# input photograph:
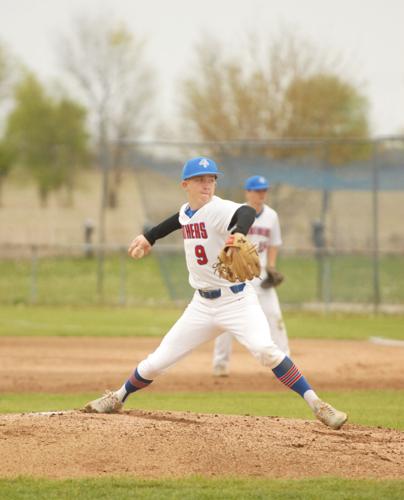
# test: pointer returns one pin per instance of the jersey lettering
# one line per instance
(194, 231)
(204, 233)
(260, 231)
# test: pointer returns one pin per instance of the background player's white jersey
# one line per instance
(204, 236)
(264, 233)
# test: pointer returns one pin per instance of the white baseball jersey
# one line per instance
(264, 233)
(204, 235)
(238, 313)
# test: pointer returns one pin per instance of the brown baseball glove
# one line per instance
(238, 261)
(274, 278)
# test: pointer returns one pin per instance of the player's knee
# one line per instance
(276, 324)
(268, 356)
(148, 370)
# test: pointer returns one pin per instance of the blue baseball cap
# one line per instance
(256, 183)
(199, 166)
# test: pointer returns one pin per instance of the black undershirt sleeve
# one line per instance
(163, 229)
(242, 220)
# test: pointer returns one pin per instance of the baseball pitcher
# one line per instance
(221, 262)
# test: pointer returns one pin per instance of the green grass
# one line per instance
(350, 279)
(73, 280)
(155, 321)
(86, 321)
(365, 407)
(344, 326)
(199, 488)
(163, 277)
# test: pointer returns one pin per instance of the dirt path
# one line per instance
(174, 444)
(35, 364)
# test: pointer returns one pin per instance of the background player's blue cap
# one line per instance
(256, 183)
(199, 166)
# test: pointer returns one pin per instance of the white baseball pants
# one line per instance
(239, 314)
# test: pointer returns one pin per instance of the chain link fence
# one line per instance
(340, 206)
(81, 275)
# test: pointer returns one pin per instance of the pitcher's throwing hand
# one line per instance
(139, 247)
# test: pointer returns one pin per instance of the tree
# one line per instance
(220, 98)
(325, 106)
(106, 62)
(8, 72)
(48, 136)
(6, 162)
(241, 96)
(264, 93)
(72, 138)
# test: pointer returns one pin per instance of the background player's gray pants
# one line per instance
(270, 305)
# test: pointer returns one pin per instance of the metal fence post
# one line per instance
(34, 275)
(166, 275)
(100, 273)
(324, 274)
(375, 224)
(122, 275)
(327, 285)
(103, 158)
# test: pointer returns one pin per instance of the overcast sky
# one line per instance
(369, 34)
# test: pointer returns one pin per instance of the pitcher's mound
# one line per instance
(166, 444)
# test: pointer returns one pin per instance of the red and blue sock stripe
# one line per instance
(135, 382)
(289, 374)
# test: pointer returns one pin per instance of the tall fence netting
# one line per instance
(340, 205)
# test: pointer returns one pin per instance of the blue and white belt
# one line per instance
(215, 294)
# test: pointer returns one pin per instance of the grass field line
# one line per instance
(388, 342)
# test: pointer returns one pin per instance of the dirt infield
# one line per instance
(174, 444)
(58, 365)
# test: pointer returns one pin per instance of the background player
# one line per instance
(265, 233)
(217, 305)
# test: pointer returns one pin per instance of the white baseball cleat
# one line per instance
(108, 403)
(328, 415)
(220, 370)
